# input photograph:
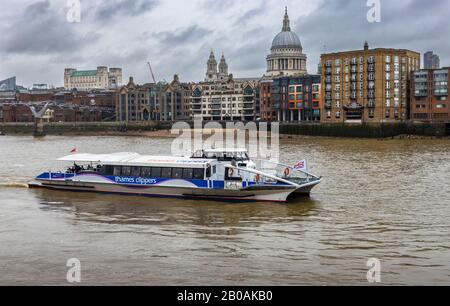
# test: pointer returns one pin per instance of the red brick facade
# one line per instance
(66, 106)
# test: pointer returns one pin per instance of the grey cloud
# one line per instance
(40, 29)
(341, 25)
(112, 8)
(39, 34)
(191, 34)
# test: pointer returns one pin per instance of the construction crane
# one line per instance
(151, 72)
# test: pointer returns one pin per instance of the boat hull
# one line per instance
(252, 194)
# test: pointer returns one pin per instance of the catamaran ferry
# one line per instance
(222, 175)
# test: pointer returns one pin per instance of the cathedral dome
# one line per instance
(286, 56)
(286, 39)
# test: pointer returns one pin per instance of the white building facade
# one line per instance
(221, 97)
(101, 78)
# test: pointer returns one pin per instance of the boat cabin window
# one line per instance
(107, 170)
(146, 172)
(177, 173)
(156, 172)
(166, 172)
(117, 171)
(222, 156)
(198, 174)
(126, 171)
(136, 171)
(188, 173)
(208, 171)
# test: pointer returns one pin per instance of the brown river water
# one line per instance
(387, 199)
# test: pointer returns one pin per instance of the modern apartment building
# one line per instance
(430, 95)
(369, 85)
(431, 60)
(291, 99)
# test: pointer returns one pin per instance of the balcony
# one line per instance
(440, 92)
(421, 93)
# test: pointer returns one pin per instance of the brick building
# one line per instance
(67, 106)
(369, 85)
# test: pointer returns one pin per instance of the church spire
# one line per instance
(286, 22)
(211, 71)
(223, 67)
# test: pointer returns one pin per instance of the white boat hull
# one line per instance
(273, 194)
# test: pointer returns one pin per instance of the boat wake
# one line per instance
(13, 185)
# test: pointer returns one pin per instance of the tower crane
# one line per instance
(151, 72)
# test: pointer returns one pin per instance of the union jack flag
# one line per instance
(301, 165)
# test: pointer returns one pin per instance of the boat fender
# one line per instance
(287, 171)
(257, 178)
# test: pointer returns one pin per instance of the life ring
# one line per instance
(230, 172)
(257, 178)
(287, 171)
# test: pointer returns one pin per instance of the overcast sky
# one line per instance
(37, 42)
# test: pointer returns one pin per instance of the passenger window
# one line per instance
(107, 170)
(198, 174)
(126, 171)
(208, 171)
(136, 171)
(166, 172)
(117, 171)
(188, 173)
(177, 173)
(146, 172)
(156, 172)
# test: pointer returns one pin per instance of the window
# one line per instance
(156, 172)
(107, 170)
(177, 173)
(188, 173)
(136, 171)
(126, 171)
(166, 172)
(146, 172)
(197, 174)
(117, 171)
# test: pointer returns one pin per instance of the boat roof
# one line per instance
(135, 159)
(225, 151)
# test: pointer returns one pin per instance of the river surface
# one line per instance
(386, 199)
